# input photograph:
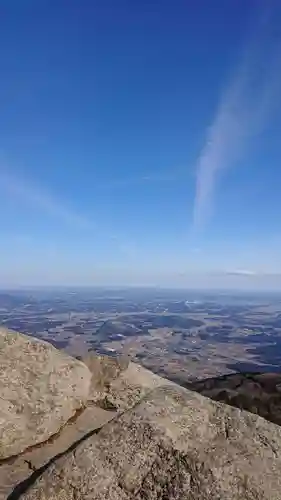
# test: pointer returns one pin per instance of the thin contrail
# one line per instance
(38, 198)
(244, 111)
(33, 195)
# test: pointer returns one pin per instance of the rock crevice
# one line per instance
(154, 441)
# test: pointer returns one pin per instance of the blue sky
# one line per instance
(140, 143)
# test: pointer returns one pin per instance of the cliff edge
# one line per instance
(136, 436)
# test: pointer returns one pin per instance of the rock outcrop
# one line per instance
(128, 388)
(17, 470)
(175, 445)
(159, 441)
(41, 388)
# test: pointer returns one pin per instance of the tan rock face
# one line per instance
(174, 444)
(118, 384)
(40, 389)
(165, 443)
(18, 469)
(104, 370)
(132, 385)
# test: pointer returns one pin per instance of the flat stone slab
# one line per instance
(175, 444)
(17, 470)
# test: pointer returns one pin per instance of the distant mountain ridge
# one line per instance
(258, 393)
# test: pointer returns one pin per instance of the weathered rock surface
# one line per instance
(115, 384)
(18, 469)
(104, 369)
(258, 393)
(163, 441)
(41, 388)
(175, 444)
(127, 389)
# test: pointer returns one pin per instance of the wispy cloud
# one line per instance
(243, 113)
(27, 192)
(242, 272)
(36, 197)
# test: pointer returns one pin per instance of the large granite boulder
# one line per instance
(41, 388)
(175, 444)
(17, 470)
